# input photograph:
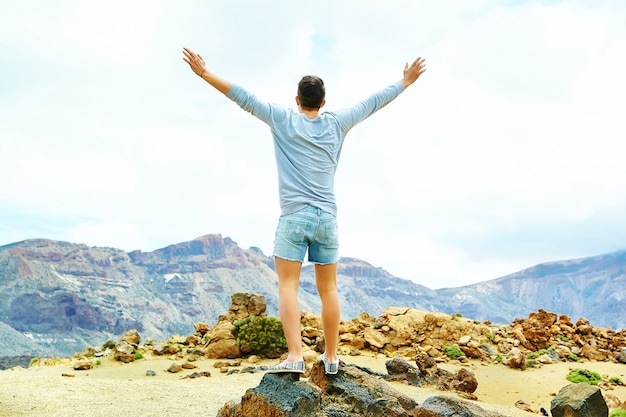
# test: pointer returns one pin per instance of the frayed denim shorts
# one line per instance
(310, 229)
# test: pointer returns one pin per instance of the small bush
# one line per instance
(618, 412)
(498, 359)
(535, 355)
(137, 355)
(453, 351)
(531, 363)
(616, 380)
(109, 344)
(491, 336)
(584, 375)
(260, 336)
(377, 325)
(562, 338)
(573, 357)
(98, 362)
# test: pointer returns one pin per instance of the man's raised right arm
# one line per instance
(196, 63)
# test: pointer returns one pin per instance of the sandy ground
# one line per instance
(114, 389)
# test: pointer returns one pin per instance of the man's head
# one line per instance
(311, 92)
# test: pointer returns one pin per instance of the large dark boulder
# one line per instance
(353, 392)
(579, 400)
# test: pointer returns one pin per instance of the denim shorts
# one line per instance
(308, 228)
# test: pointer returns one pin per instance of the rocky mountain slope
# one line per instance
(593, 287)
(62, 297)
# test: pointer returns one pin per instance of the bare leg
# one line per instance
(288, 279)
(326, 280)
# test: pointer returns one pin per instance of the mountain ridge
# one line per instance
(64, 296)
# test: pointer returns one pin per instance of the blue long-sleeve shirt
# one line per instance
(308, 150)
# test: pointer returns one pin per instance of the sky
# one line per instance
(506, 153)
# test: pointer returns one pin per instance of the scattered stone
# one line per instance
(68, 375)
(579, 400)
(160, 348)
(524, 406)
(150, 372)
(177, 340)
(222, 364)
(83, 365)
(201, 328)
(424, 362)
(253, 359)
(400, 370)
(131, 337)
(612, 401)
(515, 359)
(189, 365)
(223, 343)
(621, 357)
(197, 375)
(123, 352)
(172, 349)
(464, 340)
(174, 368)
(464, 381)
(244, 305)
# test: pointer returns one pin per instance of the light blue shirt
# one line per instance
(308, 150)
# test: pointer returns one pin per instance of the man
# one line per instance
(307, 145)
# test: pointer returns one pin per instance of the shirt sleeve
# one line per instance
(349, 117)
(251, 103)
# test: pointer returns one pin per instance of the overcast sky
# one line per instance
(508, 152)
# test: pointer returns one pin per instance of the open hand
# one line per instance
(413, 72)
(195, 61)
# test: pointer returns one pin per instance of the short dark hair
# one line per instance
(311, 91)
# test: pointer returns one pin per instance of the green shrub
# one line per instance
(531, 363)
(498, 359)
(260, 336)
(573, 357)
(616, 380)
(584, 375)
(98, 362)
(618, 412)
(453, 351)
(377, 325)
(490, 336)
(109, 344)
(138, 355)
(540, 352)
(562, 338)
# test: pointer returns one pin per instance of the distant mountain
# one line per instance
(593, 287)
(62, 297)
